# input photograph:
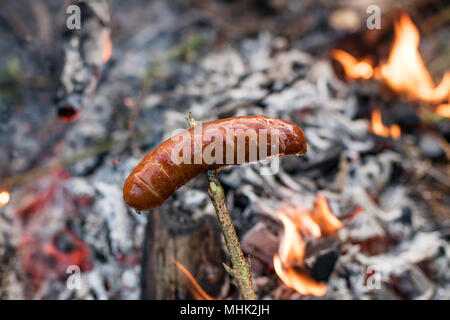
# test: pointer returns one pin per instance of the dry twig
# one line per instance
(241, 271)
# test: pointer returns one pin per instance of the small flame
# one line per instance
(292, 247)
(298, 224)
(405, 70)
(443, 110)
(4, 198)
(326, 220)
(195, 289)
(107, 50)
(353, 68)
(395, 131)
(297, 281)
(380, 129)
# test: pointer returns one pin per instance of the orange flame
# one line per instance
(292, 247)
(296, 223)
(405, 70)
(195, 289)
(4, 198)
(443, 110)
(395, 131)
(353, 68)
(326, 220)
(380, 129)
(297, 281)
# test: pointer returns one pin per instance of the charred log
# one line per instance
(86, 50)
(195, 243)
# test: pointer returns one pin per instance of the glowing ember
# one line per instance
(68, 113)
(67, 249)
(44, 260)
(107, 50)
(4, 198)
(353, 68)
(380, 129)
(443, 110)
(311, 224)
(405, 70)
(195, 289)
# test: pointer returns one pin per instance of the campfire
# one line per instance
(363, 214)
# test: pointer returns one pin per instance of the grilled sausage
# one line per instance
(211, 145)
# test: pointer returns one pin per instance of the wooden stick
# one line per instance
(241, 270)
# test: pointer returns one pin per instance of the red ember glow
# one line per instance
(50, 260)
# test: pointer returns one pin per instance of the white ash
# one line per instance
(110, 205)
(194, 198)
(80, 187)
(422, 246)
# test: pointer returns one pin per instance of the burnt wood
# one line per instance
(195, 243)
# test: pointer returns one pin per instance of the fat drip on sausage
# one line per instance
(211, 145)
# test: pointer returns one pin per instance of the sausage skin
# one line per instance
(184, 156)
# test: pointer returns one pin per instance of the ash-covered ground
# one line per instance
(215, 59)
